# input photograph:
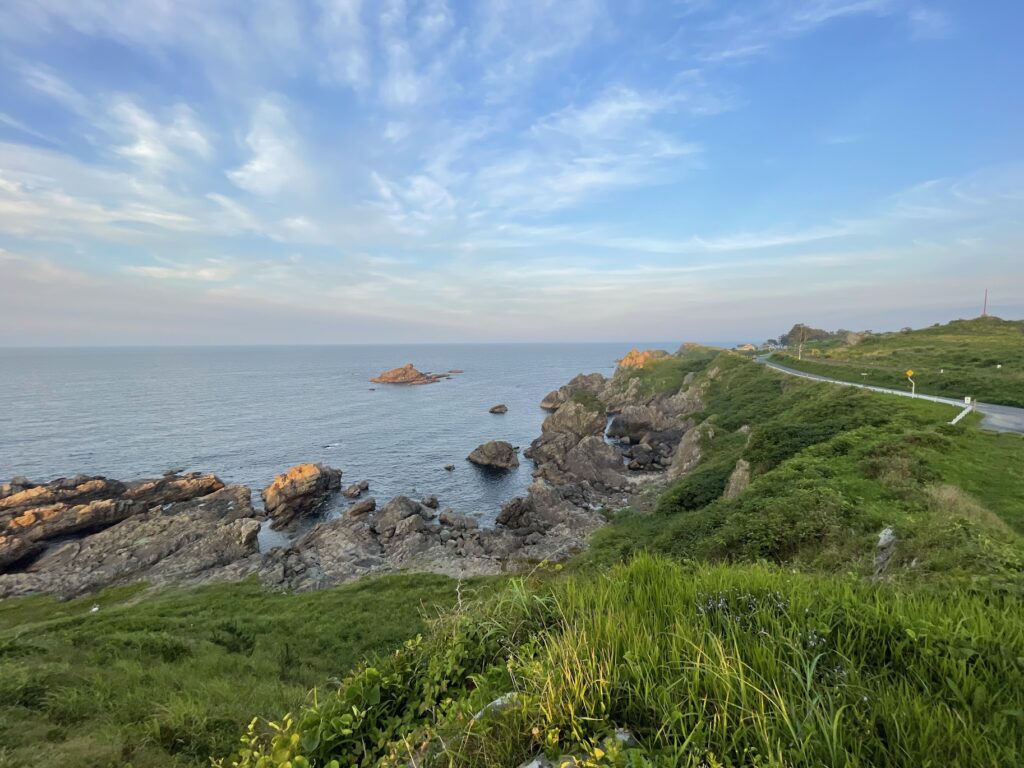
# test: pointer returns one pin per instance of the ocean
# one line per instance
(249, 413)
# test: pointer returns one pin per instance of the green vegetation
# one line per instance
(956, 360)
(831, 467)
(704, 665)
(666, 375)
(168, 680)
(588, 400)
(750, 628)
(782, 653)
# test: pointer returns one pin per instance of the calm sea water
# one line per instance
(248, 413)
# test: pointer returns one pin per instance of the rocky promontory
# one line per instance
(80, 534)
(408, 375)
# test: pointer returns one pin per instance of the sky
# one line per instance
(337, 171)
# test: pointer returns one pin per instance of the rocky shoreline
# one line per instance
(75, 535)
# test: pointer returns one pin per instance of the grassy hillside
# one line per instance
(741, 629)
(704, 665)
(170, 679)
(830, 468)
(956, 360)
(735, 631)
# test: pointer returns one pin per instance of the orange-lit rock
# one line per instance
(407, 374)
(637, 359)
(299, 491)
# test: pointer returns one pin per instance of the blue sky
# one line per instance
(337, 171)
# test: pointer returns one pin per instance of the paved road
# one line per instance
(1000, 418)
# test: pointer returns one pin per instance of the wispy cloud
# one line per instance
(928, 23)
(153, 146)
(523, 160)
(274, 162)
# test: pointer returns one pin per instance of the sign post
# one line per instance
(913, 386)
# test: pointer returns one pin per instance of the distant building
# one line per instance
(746, 348)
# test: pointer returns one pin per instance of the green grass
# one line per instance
(168, 680)
(588, 400)
(956, 360)
(831, 467)
(704, 665)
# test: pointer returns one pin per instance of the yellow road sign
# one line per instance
(909, 374)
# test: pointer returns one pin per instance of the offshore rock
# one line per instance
(499, 409)
(408, 375)
(495, 454)
(300, 491)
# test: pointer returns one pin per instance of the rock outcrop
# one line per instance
(637, 359)
(408, 375)
(738, 480)
(495, 454)
(178, 529)
(689, 451)
(498, 409)
(589, 382)
(300, 491)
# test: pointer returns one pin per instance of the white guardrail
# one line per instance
(967, 404)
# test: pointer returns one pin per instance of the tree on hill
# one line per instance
(801, 333)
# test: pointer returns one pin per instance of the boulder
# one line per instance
(396, 510)
(635, 421)
(408, 375)
(353, 491)
(362, 507)
(430, 501)
(500, 408)
(884, 551)
(301, 491)
(495, 454)
(455, 520)
(449, 467)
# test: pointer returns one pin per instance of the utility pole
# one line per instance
(984, 307)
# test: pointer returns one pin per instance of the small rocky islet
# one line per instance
(408, 375)
(80, 534)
